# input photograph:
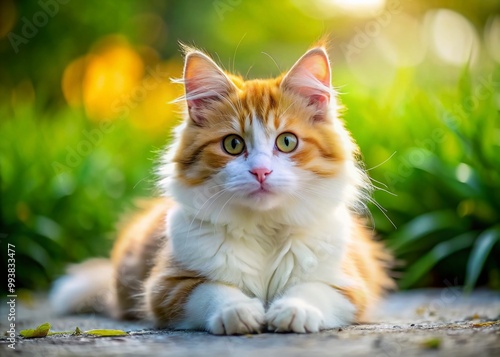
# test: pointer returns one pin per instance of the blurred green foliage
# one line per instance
(429, 131)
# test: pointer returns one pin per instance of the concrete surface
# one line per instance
(440, 322)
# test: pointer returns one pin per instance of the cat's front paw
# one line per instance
(294, 315)
(238, 318)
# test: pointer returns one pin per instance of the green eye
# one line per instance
(233, 144)
(286, 142)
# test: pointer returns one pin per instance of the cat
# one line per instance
(258, 229)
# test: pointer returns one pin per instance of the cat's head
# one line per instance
(273, 145)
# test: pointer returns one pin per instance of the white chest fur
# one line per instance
(261, 257)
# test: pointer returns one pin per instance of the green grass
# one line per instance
(445, 174)
(61, 204)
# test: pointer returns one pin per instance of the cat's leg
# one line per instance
(223, 310)
(184, 302)
(310, 307)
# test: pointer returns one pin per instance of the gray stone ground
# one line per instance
(406, 324)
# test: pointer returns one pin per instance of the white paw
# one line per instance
(294, 315)
(238, 318)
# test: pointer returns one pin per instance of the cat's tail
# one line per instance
(87, 287)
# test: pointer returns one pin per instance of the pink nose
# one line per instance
(260, 174)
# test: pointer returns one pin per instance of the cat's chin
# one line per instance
(262, 200)
(262, 192)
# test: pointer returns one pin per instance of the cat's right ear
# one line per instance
(204, 83)
(310, 79)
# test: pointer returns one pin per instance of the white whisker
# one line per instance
(384, 190)
(377, 181)
(383, 162)
(200, 209)
(383, 210)
(272, 59)
(222, 208)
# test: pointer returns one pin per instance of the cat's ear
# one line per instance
(310, 78)
(204, 83)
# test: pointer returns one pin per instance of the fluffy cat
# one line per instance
(258, 227)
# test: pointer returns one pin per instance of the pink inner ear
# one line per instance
(199, 92)
(199, 103)
(318, 66)
(308, 86)
(204, 83)
(320, 101)
(310, 78)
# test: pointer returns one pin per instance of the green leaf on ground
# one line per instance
(105, 333)
(40, 331)
(44, 330)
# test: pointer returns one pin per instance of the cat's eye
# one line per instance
(233, 144)
(286, 142)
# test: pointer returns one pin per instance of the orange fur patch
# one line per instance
(134, 253)
(366, 264)
(167, 290)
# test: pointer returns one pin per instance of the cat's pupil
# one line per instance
(234, 143)
(286, 141)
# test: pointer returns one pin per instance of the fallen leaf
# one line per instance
(44, 330)
(106, 333)
(40, 331)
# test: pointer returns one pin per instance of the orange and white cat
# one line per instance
(258, 227)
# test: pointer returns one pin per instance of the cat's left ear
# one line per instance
(310, 78)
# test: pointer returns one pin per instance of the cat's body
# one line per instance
(260, 229)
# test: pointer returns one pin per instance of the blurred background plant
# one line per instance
(84, 110)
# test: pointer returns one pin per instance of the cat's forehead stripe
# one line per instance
(261, 101)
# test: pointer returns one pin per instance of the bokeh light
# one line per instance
(113, 69)
(403, 42)
(452, 37)
(325, 9)
(99, 79)
(358, 7)
(117, 80)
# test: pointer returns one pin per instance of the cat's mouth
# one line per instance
(262, 191)
(264, 198)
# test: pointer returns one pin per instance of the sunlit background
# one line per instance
(85, 107)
